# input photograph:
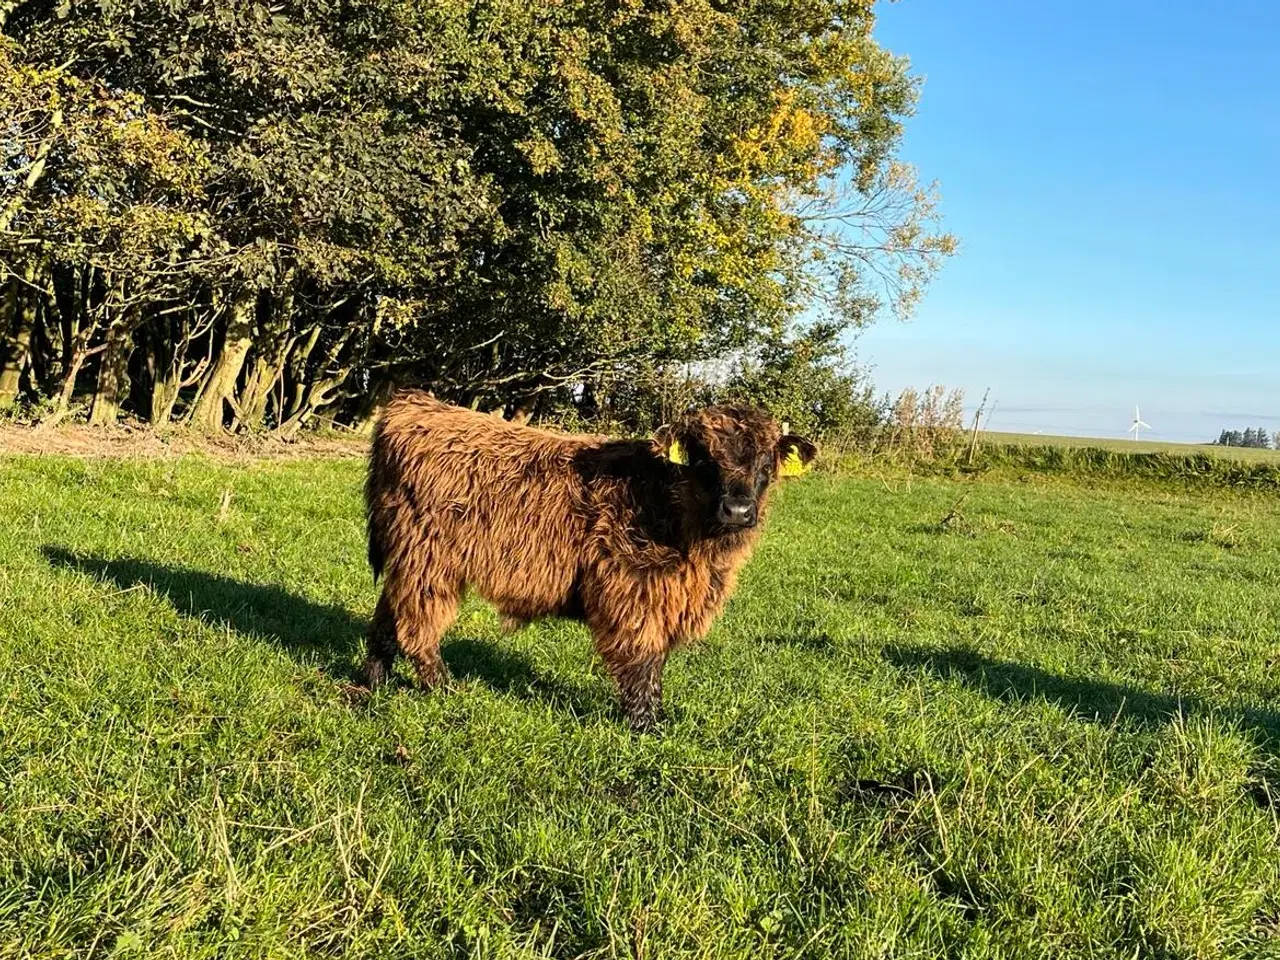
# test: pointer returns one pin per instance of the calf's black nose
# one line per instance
(738, 513)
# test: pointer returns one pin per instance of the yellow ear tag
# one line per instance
(792, 465)
(675, 453)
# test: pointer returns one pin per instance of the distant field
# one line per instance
(1130, 446)
(943, 718)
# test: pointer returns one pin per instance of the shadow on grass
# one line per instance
(511, 673)
(1097, 700)
(329, 634)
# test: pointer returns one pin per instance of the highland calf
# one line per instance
(641, 539)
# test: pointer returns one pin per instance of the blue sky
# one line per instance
(1113, 173)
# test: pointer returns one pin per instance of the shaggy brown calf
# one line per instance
(642, 540)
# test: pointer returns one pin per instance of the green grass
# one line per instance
(1191, 471)
(1130, 446)
(1045, 727)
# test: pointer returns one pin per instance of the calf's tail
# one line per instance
(377, 550)
(377, 557)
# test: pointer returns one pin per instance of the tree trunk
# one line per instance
(380, 391)
(164, 369)
(113, 374)
(68, 388)
(263, 372)
(271, 348)
(46, 347)
(220, 388)
(320, 395)
(78, 330)
(324, 389)
(75, 321)
(297, 367)
(18, 318)
(164, 396)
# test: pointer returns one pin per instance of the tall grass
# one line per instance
(924, 426)
(1189, 469)
(1193, 468)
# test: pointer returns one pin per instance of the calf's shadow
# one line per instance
(1086, 698)
(326, 635)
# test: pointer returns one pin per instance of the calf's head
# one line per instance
(728, 456)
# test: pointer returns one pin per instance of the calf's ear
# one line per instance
(668, 445)
(796, 455)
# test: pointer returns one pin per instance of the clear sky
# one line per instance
(1113, 173)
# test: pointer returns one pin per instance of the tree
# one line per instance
(808, 380)
(100, 221)
(297, 205)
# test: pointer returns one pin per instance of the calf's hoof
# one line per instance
(433, 675)
(646, 724)
(376, 673)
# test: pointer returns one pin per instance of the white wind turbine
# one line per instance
(1138, 424)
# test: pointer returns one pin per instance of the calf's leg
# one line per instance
(634, 658)
(381, 644)
(640, 690)
(422, 630)
(412, 616)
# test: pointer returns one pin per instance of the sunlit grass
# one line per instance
(1044, 727)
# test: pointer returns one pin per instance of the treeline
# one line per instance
(256, 216)
(1258, 438)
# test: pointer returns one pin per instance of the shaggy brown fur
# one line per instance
(611, 532)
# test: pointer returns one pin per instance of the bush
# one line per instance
(808, 381)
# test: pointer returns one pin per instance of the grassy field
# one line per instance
(942, 718)
(1131, 446)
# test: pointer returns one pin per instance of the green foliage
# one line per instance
(1046, 728)
(299, 203)
(87, 171)
(808, 380)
